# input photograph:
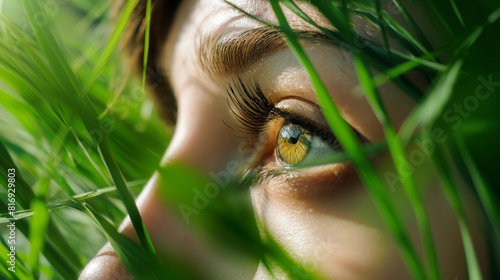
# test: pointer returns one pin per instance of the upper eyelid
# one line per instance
(326, 132)
(307, 123)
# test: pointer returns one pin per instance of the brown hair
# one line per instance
(162, 15)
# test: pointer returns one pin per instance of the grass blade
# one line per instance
(53, 51)
(486, 194)
(402, 164)
(38, 230)
(349, 140)
(444, 174)
(113, 41)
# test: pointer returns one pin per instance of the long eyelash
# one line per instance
(253, 110)
(258, 174)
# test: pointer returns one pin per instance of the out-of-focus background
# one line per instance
(43, 137)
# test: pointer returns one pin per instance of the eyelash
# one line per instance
(254, 113)
(253, 110)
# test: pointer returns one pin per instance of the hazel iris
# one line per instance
(292, 144)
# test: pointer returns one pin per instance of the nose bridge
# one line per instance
(201, 139)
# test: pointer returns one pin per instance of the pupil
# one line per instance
(294, 139)
(291, 134)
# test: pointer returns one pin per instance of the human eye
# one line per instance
(296, 143)
(284, 135)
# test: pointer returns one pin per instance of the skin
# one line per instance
(323, 216)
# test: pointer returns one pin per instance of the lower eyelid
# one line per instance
(270, 171)
(314, 182)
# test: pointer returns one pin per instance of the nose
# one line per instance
(201, 140)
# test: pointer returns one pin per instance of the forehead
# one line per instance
(197, 20)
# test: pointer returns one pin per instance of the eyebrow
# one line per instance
(231, 54)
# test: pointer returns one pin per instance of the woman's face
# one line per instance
(323, 216)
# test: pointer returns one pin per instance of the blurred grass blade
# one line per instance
(53, 52)
(21, 272)
(444, 172)
(486, 194)
(31, 96)
(457, 12)
(348, 138)
(433, 105)
(376, 55)
(414, 26)
(25, 213)
(405, 67)
(146, 43)
(402, 165)
(112, 43)
(67, 265)
(38, 230)
(382, 26)
(138, 261)
(436, 100)
(228, 219)
(369, 151)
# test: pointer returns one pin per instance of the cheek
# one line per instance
(332, 227)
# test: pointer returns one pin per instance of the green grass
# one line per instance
(352, 144)
(83, 141)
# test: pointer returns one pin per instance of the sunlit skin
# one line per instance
(323, 216)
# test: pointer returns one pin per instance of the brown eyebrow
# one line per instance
(231, 54)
